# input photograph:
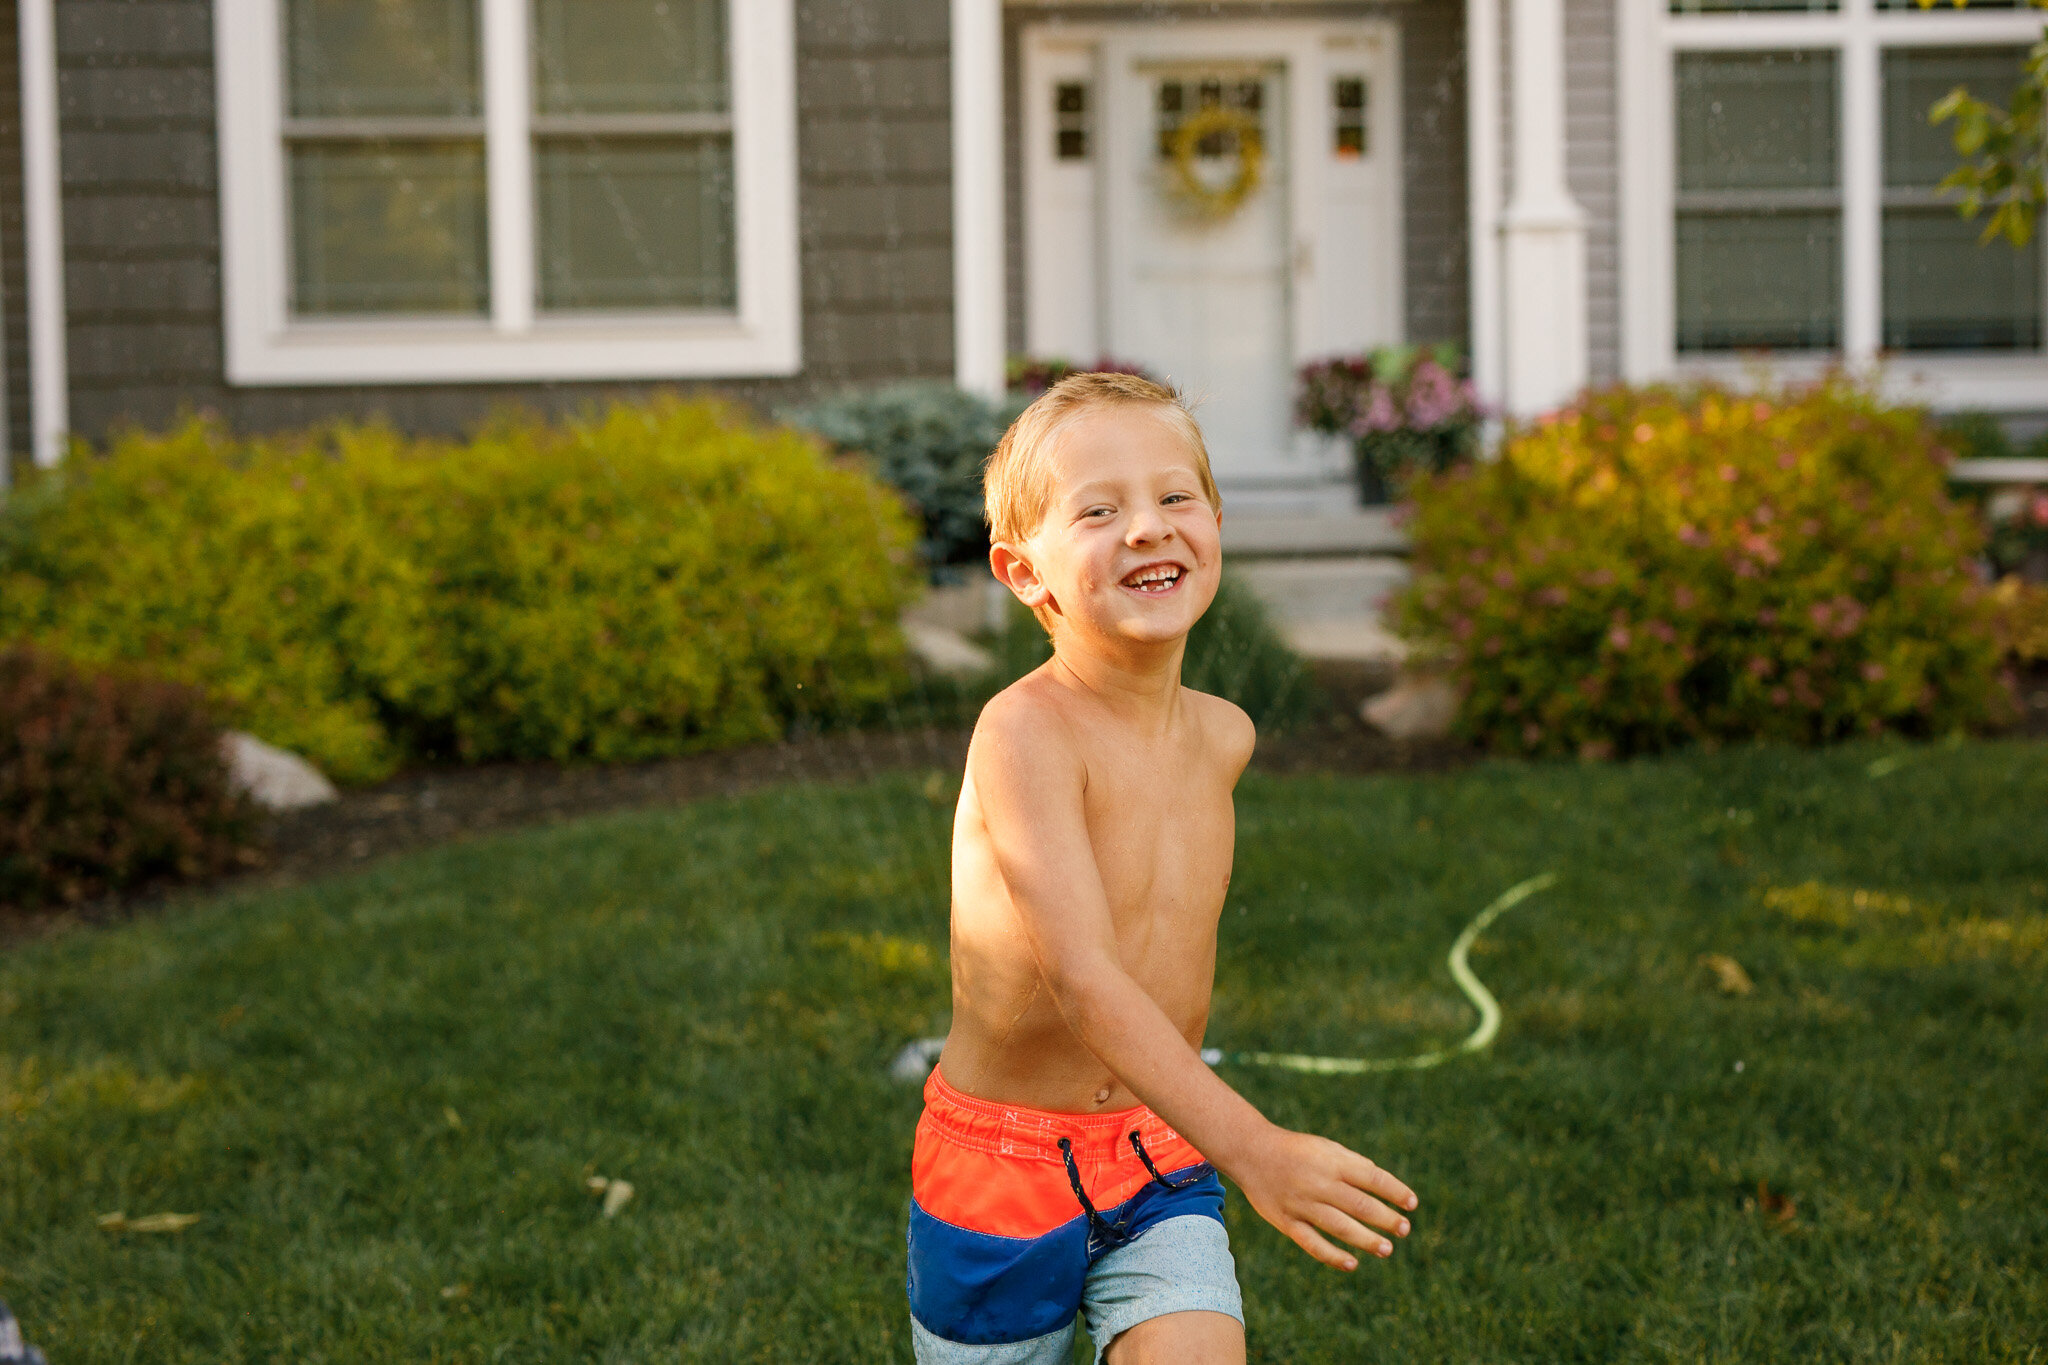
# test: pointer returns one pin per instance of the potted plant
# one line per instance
(1405, 410)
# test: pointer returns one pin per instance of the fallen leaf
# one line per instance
(448, 1113)
(455, 1291)
(153, 1222)
(1782, 1207)
(615, 1192)
(1728, 974)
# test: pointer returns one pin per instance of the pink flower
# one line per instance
(1503, 578)
(1380, 413)
(2040, 509)
(1683, 598)
(1762, 411)
(1873, 671)
(1645, 433)
(1779, 696)
(1661, 630)
(1556, 595)
(1618, 637)
(1433, 397)
(1532, 735)
(1727, 473)
(1759, 666)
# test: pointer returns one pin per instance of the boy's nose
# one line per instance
(1148, 526)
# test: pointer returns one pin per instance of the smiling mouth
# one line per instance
(1154, 579)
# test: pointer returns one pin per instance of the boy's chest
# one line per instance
(1162, 836)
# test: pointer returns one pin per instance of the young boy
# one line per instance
(1068, 1152)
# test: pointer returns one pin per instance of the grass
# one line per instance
(384, 1093)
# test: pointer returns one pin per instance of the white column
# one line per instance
(1482, 190)
(979, 330)
(43, 235)
(508, 152)
(1543, 231)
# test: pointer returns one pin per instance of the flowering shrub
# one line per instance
(2021, 612)
(2019, 534)
(647, 581)
(1032, 375)
(1405, 412)
(105, 783)
(1663, 565)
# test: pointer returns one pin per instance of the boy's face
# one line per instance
(1130, 547)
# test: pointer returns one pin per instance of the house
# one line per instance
(283, 210)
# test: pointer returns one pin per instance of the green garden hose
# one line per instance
(915, 1061)
(1461, 972)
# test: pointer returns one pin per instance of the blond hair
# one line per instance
(1017, 483)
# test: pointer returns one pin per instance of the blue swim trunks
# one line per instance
(1021, 1218)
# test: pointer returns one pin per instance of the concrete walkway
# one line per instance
(1325, 577)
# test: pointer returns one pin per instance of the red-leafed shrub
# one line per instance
(1660, 565)
(106, 783)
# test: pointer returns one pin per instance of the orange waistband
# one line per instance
(1019, 1131)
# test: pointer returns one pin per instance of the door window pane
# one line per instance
(636, 223)
(352, 58)
(1942, 289)
(388, 228)
(630, 56)
(1759, 226)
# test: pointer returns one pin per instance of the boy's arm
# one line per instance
(1029, 780)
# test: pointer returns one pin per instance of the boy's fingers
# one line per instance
(1371, 1211)
(1307, 1239)
(1344, 1227)
(1373, 1180)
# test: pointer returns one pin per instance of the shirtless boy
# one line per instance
(1068, 1154)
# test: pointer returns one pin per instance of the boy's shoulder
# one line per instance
(1225, 726)
(1027, 717)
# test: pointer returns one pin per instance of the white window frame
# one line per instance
(266, 346)
(1859, 33)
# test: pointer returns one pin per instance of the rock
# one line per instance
(274, 778)
(1416, 707)
(946, 651)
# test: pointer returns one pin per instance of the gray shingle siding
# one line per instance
(142, 222)
(1592, 168)
(1434, 219)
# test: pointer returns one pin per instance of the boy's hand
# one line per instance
(1306, 1185)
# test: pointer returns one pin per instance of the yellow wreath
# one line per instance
(1219, 203)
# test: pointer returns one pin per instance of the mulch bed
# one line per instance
(438, 805)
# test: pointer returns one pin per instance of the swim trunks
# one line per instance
(1020, 1218)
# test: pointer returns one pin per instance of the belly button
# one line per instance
(1102, 1095)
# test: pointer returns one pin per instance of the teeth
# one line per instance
(1164, 574)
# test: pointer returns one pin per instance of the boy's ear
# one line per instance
(1016, 573)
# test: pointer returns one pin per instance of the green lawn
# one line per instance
(384, 1092)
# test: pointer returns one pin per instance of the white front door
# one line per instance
(1223, 293)
(1202, 294)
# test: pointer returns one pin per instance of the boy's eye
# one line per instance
(1171, 498)
(1098, 512)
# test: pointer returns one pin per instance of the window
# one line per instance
(1178, 99)
(1759, 206)
(1070, 120)
(1347, 118)
(1942, 289)
(1779, 179)
(437, 190)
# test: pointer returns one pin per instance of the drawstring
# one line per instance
(1146, 1157)
(1100, 1228)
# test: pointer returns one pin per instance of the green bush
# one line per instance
(106, 783)
(1233, 652)
(642, 582)
(929, 442)
(1661, 565)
